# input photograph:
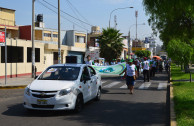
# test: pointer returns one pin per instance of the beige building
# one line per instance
(73, 43)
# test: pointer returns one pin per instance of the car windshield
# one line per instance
(60, 73)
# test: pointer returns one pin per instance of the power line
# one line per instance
(67, 13)
(61, 15)
(77, 11)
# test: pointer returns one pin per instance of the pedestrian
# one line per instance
(89, 61)
(130, 72)
(137, 66)
(154, 66)
(146, 67)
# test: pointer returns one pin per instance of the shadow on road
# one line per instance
(104, 112)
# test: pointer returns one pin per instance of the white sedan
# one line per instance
(63, 87)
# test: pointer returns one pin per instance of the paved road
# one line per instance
(148, 106)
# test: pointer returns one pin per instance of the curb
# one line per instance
(172, 112)
(13, 87)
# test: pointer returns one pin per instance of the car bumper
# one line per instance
(66, 102)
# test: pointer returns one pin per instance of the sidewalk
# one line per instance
(16, 82)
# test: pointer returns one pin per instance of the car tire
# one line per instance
(79, 104)
(98, 95)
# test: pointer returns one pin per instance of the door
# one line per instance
(94, 78)
(86, 84)
(55, 57)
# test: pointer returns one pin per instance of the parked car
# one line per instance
(63, 87)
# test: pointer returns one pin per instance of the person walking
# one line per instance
(89, 61)
(146, 67)
(130, 78)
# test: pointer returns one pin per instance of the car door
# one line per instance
(94, 78)
(86, 84)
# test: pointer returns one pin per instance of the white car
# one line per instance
(63, 87)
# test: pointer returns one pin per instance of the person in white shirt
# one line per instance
(146, 68)
(89, 61)
(130, 78)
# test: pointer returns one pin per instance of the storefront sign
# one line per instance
(2, 36)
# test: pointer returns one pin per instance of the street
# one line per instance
(148, 106)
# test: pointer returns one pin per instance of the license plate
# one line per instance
(41, 102)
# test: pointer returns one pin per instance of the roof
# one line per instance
(7, 8)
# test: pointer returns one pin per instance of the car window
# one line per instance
(92, 71)
(60, 73)
(85, 72)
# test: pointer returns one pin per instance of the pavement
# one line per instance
(16, 82)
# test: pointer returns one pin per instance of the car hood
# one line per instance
(50, 85)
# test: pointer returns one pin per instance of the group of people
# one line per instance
(149, 67)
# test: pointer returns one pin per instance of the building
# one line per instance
(19, 45)
(93, 36)
(7, 18)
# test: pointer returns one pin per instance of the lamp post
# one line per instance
(115, 10)
(130, 50)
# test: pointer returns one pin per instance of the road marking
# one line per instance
(104, 82)
(145, 85)
(162, 86)
(125, 86)
(111, 85)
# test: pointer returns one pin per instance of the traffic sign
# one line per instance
(2, 36)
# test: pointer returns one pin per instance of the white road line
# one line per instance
(111, 85)
(124, 86)
(162, 86)
(104, 82)
(145, 85)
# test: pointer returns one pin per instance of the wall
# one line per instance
(16, 69)
(25, 32)
(38, 35)
(8, 15)
(70, 38)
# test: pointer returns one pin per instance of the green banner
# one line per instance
(111, 69)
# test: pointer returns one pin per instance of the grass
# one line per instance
(177, 74)
(184, 103)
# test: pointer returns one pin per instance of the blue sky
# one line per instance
(95, 12)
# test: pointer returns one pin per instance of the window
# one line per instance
(29, 54)
(55, 35)
(85, 73)
(14, 54)
(47, 34)
(80, 39)
(92, 71)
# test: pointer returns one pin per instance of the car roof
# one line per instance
(69, 64)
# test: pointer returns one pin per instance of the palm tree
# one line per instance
(111, 44)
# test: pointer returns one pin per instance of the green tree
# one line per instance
(143, 53)
(173, 19)
(180, 52)
(111, 44)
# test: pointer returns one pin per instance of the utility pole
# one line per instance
(129, 56)
(33, 50)
(59, 34)
(5, 57)
(115, 19)
(136, 14)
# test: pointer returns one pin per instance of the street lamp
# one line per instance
(115, 10)
(130, 50)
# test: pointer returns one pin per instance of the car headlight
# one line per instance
(65, 91)
(27, 91)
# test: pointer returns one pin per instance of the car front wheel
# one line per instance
(79, 104)
(98, 95)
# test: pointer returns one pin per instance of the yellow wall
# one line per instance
(38, 34)
(9, 15)
(25, 67)
(137, 48)
(80, 45)
(80, 34)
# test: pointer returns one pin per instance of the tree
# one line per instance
(171, 18)
(111, 44)
(143, 53)
(180, 52)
